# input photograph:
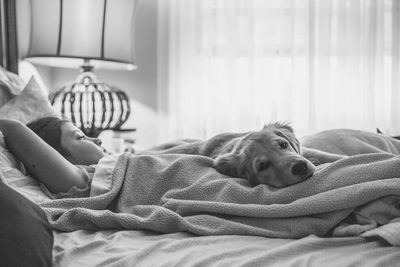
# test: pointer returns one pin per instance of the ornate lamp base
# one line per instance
(92, 105)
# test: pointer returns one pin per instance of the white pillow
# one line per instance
(11, 82)
(10, 85)
(30, 105)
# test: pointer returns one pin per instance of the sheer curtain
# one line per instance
(233, 65)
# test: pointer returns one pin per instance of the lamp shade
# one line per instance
(64, 33)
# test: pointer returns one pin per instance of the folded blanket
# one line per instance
(171, 193)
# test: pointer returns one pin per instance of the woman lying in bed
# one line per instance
(62, 163)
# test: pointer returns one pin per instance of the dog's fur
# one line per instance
(270, 156)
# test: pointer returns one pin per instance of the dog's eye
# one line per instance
(264, 165)
(283, 145)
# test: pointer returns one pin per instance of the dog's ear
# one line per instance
(293, 141)
(287, 132)
(228, 164)
(235, 165)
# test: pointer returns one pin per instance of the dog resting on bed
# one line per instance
(270, 156)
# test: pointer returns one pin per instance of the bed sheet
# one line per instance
(145, 248)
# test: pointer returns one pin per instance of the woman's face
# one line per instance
(80, 149)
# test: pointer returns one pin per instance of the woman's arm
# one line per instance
(41, 160)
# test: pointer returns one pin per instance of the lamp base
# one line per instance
(91, 105)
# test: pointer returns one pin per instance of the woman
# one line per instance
(54, 155)
(52, 151)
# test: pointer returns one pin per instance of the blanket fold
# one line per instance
(171, 193)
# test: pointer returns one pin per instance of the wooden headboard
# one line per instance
(8, 36)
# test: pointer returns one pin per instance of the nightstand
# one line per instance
(118, 141)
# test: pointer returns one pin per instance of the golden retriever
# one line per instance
(271, 156)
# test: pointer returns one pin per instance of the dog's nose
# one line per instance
(300, 168)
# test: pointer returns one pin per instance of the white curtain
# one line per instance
(233, 65)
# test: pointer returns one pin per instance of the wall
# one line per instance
(140, 84)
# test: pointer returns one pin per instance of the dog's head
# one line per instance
(271, 156)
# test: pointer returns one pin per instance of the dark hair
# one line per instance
(49, 129)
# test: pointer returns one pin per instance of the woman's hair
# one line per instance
(49, 129)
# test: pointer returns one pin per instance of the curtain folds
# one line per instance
(234, 65)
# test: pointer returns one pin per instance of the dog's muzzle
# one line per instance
(301, 168)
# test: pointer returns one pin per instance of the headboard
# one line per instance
(8, 36)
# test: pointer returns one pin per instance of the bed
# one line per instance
(190, 215)
(347, 215)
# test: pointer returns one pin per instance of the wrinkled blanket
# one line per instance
(171, 193)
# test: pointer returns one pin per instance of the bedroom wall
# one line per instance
(140, 84)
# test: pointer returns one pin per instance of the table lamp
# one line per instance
(85, 34)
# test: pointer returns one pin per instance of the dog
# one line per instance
(271, 156)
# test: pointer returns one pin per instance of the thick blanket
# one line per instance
(172, 193)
